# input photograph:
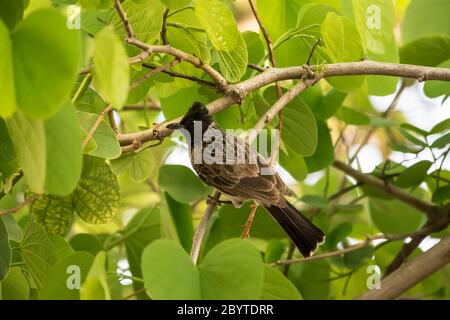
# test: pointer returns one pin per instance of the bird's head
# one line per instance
(197, 113)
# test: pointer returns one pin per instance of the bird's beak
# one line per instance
(174, 126)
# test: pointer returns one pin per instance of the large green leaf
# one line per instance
(64, 159)
(192, 42)
(426, 51)
(105, 139)
(5, 251)
(233, 63)
(176, 4)
(413, 175)
(375, 21)
(299, 131)
(111, 82)
(86, 242)
(431, 16)
(145, 18)
(11, 12)
(277, 287)
(43, 81)
(37, 252)
(54, 213)
(232, 270)
(66, 276)
(28, 137)
(324, 154)
(218, 22)
(143, 228)
(15, 286)
(6, 72)
(181, 183)
(96, 197)
(342, 44)
(169, 273)
(181, 215)
(95, 287)
(8, 158)
(311, 279)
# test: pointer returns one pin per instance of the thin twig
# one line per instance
(19, 206)
(164, 27)
(124, 18)
(203, 227)
(183, 76)
(368, 241)
(99, 120)
(150, 74)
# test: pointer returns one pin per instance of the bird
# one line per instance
(233, 167)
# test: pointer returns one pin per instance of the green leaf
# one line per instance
(410, 137)
(426, 51)
(96, 198)
(255, 47)
(438, 88)
(8, 158)
(274, 250)
(233, 62)
(43, 86)
(299, 130)
(232, 270)
(358, 257)
(37, 252)
(441, 194)
(442, 142)
(393, 216)
(294, 164)
(219, 24)
(111, 82)
(339, 233)
(5, 251)
(6, 71)
(143, 229)
(324, 154)
(277, 287)
(413, 175)
(141, 165)
(375, 21)
(441, 126)
(61, 247)
(104, 137)
(86, 242)
(351, 116)
(175, 178)
(192, 42)
(342, 44)
(66, 276)
(430, 15)
(11, 13)
(176, 4)
(145, 18)
(278, 17)
(15, 286)
(415, 129)
(54, 213)
(95, 287)
(311, 279)
(28, 137)
(315, 201)
(64, 160)
(181, 215)
(329, 104)
(169, 273)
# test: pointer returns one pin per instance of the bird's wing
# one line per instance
(247, 177)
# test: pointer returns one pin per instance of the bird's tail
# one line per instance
(305, 235)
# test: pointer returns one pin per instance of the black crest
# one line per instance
(197, 112)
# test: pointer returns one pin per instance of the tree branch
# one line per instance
(203, 227)
(427, 208)
(96, 124)
(124, 18)
(271, 75)
(164, 27)
(412, 272)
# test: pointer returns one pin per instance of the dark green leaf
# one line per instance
(54, 213)
(5, 251)
(413, 175)
(277, 287)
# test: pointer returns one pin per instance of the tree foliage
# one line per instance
(87, 179)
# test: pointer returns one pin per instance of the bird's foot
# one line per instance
(248, 223)
(212, 200)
